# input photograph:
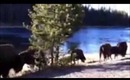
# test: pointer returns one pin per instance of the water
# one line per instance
(91, 39)
(19, 32)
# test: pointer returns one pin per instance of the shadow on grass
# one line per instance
(53, 72)
(117, 66)
(92, 61)
(120, 66)
(126, 58)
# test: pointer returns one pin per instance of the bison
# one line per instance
(115, 50)
(120, 49)
(105, 49)
(9, 58)
(79, 55)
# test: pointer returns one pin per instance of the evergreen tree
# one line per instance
(52, 24)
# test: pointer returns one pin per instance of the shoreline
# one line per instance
(119, 68)
(116, 68)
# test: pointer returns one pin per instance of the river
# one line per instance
(90, 39)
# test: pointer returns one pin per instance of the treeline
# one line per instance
(105, 17)
(16, 14)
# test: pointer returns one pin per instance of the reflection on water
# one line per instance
(90, 39)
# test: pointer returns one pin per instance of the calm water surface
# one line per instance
(90, 39)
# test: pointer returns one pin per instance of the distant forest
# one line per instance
(16, 14)
(105, 17)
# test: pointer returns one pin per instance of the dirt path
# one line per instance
(111, 69)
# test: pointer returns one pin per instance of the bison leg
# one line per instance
(110, 57)
(115, 56)
(104, 55)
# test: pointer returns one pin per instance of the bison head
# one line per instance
(122, 48)
(27, 56)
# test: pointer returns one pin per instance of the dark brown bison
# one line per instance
(79, 55)
(115, 50)
(120, 49)
(105, 50)
(9, 58)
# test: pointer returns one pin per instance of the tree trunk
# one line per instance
(57, 54)
(71, 54)
(52, 56)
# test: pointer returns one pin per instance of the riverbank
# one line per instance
(92, 68)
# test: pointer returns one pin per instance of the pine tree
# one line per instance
(52, 24)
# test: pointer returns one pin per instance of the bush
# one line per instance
(66, 61)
